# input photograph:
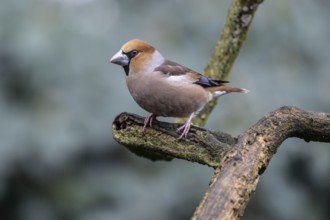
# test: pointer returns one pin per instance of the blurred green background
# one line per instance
(59, 96)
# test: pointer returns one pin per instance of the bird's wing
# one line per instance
(176, 72)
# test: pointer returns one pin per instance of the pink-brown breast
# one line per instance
(162, 97)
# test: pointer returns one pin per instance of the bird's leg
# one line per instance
(185, 127)
(148, 121)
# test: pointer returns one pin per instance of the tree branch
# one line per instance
(239, 171)
(241, 160)
(208, 147)
(239, 18)
(161, 141)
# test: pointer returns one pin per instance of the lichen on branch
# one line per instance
(233, 35)
(160, 142)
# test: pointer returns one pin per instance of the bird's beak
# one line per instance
(120, 58)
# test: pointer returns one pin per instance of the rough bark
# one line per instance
(239, 170)
(161, 141)
(239, 162)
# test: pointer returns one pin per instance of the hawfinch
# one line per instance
(165, 88)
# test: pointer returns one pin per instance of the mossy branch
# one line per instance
(161, 141)
(238, 173)
(233, 35)
(241, 160)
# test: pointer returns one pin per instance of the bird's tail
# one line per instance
(222, 90)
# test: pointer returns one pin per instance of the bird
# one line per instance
(165, 88)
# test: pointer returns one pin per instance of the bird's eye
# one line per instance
(133, 53)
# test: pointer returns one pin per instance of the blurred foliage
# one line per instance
(59, 95)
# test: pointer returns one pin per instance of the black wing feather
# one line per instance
(207, 82)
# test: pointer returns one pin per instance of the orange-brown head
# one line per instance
(137, 56)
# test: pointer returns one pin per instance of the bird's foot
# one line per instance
(148, 121)
(185, 127)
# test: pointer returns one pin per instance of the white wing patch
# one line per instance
(181, 78)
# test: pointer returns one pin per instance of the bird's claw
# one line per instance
(148, 121)
(185, 127)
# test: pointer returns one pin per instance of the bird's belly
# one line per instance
(169, 100)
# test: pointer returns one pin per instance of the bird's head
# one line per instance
(137, 56)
